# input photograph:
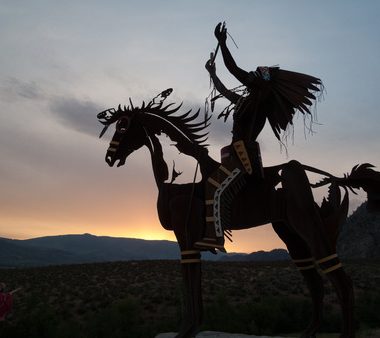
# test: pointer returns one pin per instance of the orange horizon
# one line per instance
(244, 241)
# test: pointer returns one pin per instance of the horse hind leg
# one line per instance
(304, 218)
(301, 256)
(332, 268)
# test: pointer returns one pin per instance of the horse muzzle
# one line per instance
(113, 155)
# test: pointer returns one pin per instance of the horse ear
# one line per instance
(130, 102)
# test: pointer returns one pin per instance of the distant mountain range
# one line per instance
(359, 238)
(87, 248)
(258, 256)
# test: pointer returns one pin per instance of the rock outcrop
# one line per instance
(360, 236)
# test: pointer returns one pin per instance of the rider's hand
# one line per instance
(210, 66)
(221, 33)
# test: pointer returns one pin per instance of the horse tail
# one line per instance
(361, 176)
(334, 211)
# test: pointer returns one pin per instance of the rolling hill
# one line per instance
(87, 248)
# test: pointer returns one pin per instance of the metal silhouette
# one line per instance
(308, 230)
(267, 94)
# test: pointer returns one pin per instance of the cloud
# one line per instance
(79, 115)
(13, 88)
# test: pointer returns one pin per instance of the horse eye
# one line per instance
(123, 124)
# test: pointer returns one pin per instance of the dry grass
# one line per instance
(75, 292)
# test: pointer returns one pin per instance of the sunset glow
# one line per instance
(62, 63)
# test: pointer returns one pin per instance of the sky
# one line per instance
(63, 62)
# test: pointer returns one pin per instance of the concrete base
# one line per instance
(213, 334)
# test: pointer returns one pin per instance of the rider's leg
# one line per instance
(213, 235)
(236, 160)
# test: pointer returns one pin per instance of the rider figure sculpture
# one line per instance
(270, 93)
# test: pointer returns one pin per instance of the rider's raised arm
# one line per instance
(240, 74)
(220, 87)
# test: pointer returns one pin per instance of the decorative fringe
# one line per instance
(227, 198)
(289, 93)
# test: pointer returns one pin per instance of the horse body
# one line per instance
(181, 209)
(260, 194)
(309, 231)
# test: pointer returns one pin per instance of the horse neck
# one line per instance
(183, 144)
(159, 166)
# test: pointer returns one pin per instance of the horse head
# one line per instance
(130, 132)
(128, 137)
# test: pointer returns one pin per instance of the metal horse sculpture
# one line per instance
(308, 230)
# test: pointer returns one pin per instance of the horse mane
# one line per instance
(185, 123)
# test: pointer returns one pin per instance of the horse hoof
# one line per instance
(306, 335)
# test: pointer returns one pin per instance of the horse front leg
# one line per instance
(187, 226)
(192, 312)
